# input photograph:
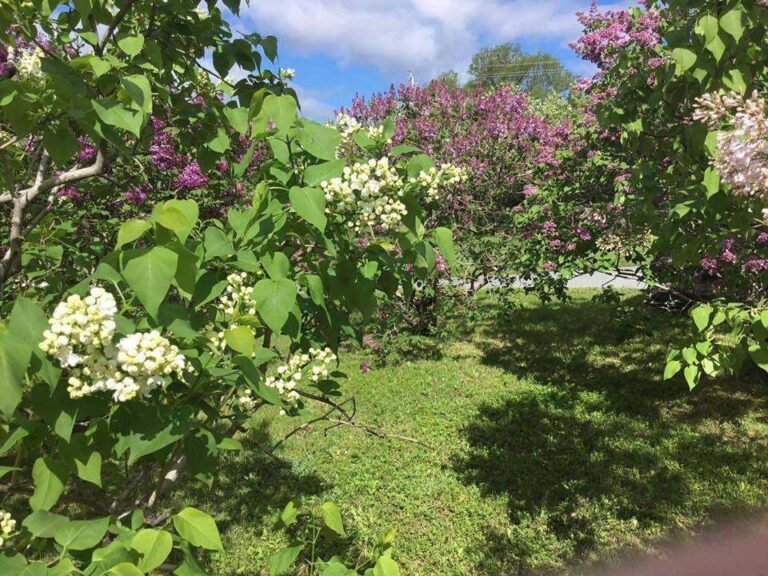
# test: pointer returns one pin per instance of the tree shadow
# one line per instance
(594, 454)
(253, 485)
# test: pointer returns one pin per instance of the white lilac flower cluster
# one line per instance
(313, 364)
(216, 340)
(7, 526)
(287, 74)
(436, 179)
(80, 337)
(742, 140)
(376, 132)
(368, 195)
(80, 327)
(28, 64)
(236, 299)
(347, 125)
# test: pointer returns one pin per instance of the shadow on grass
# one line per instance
(596, 455)
(252, 486)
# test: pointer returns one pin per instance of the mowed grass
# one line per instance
(552, 444)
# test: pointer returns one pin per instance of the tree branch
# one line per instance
(41, 185)
(113, 25)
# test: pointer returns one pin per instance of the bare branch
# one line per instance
(41, 185)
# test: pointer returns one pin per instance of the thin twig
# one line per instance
(375, 432)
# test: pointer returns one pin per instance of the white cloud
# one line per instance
(426, 36)
(314, 103)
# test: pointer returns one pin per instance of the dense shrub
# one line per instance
(186, 262)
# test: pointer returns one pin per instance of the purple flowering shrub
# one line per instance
(679, 103)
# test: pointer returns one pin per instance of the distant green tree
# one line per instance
(538, 74)
(450, 78)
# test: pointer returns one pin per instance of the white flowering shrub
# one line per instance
(137, 376)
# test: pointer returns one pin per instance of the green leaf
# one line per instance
(13, 438)
(332, 518)
(138, 89)
(707, 26)
(701, 315)
(279, 111)
(734, 79)
(89, 469)
(179, 216)
(12, 565)
(125, 569)
(717, 48)
(403, 149)
(277, 265)
(309, 203)
(759, 355)
(49, 479)
(289, 514)
(15, 356)
(318, 140)
(712, 181)
(732, 22)
(112, 113)
(81, 534)
(27, 322)
(418, 164)
(60, 142)
(672, 368)
(130, 231)
(274, 299)
(43, 524)
(684, 58)
(336, 568)
(269, 45)
(318, 173)
(238, 119)
(385, 566)
(217, 244)
(692, 376)
(6, 469)
(154, 546)
(150, 429)
(131, 45)
(280, 562)
(240, 339)
(198, 528)
(149, 273)
(444, 240)
(65, 423)
(219, 143)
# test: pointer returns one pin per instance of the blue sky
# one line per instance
(340, 47)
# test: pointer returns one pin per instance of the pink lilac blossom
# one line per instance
(742, 140)
(191, 178)
(496, 135)
(372, 344)
(136, 196)
(607, 34)
(87, 152)
(710, 265)
(71, 193)
(162, 149)
(727, 256)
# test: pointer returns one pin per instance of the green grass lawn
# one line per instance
(553, 443)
